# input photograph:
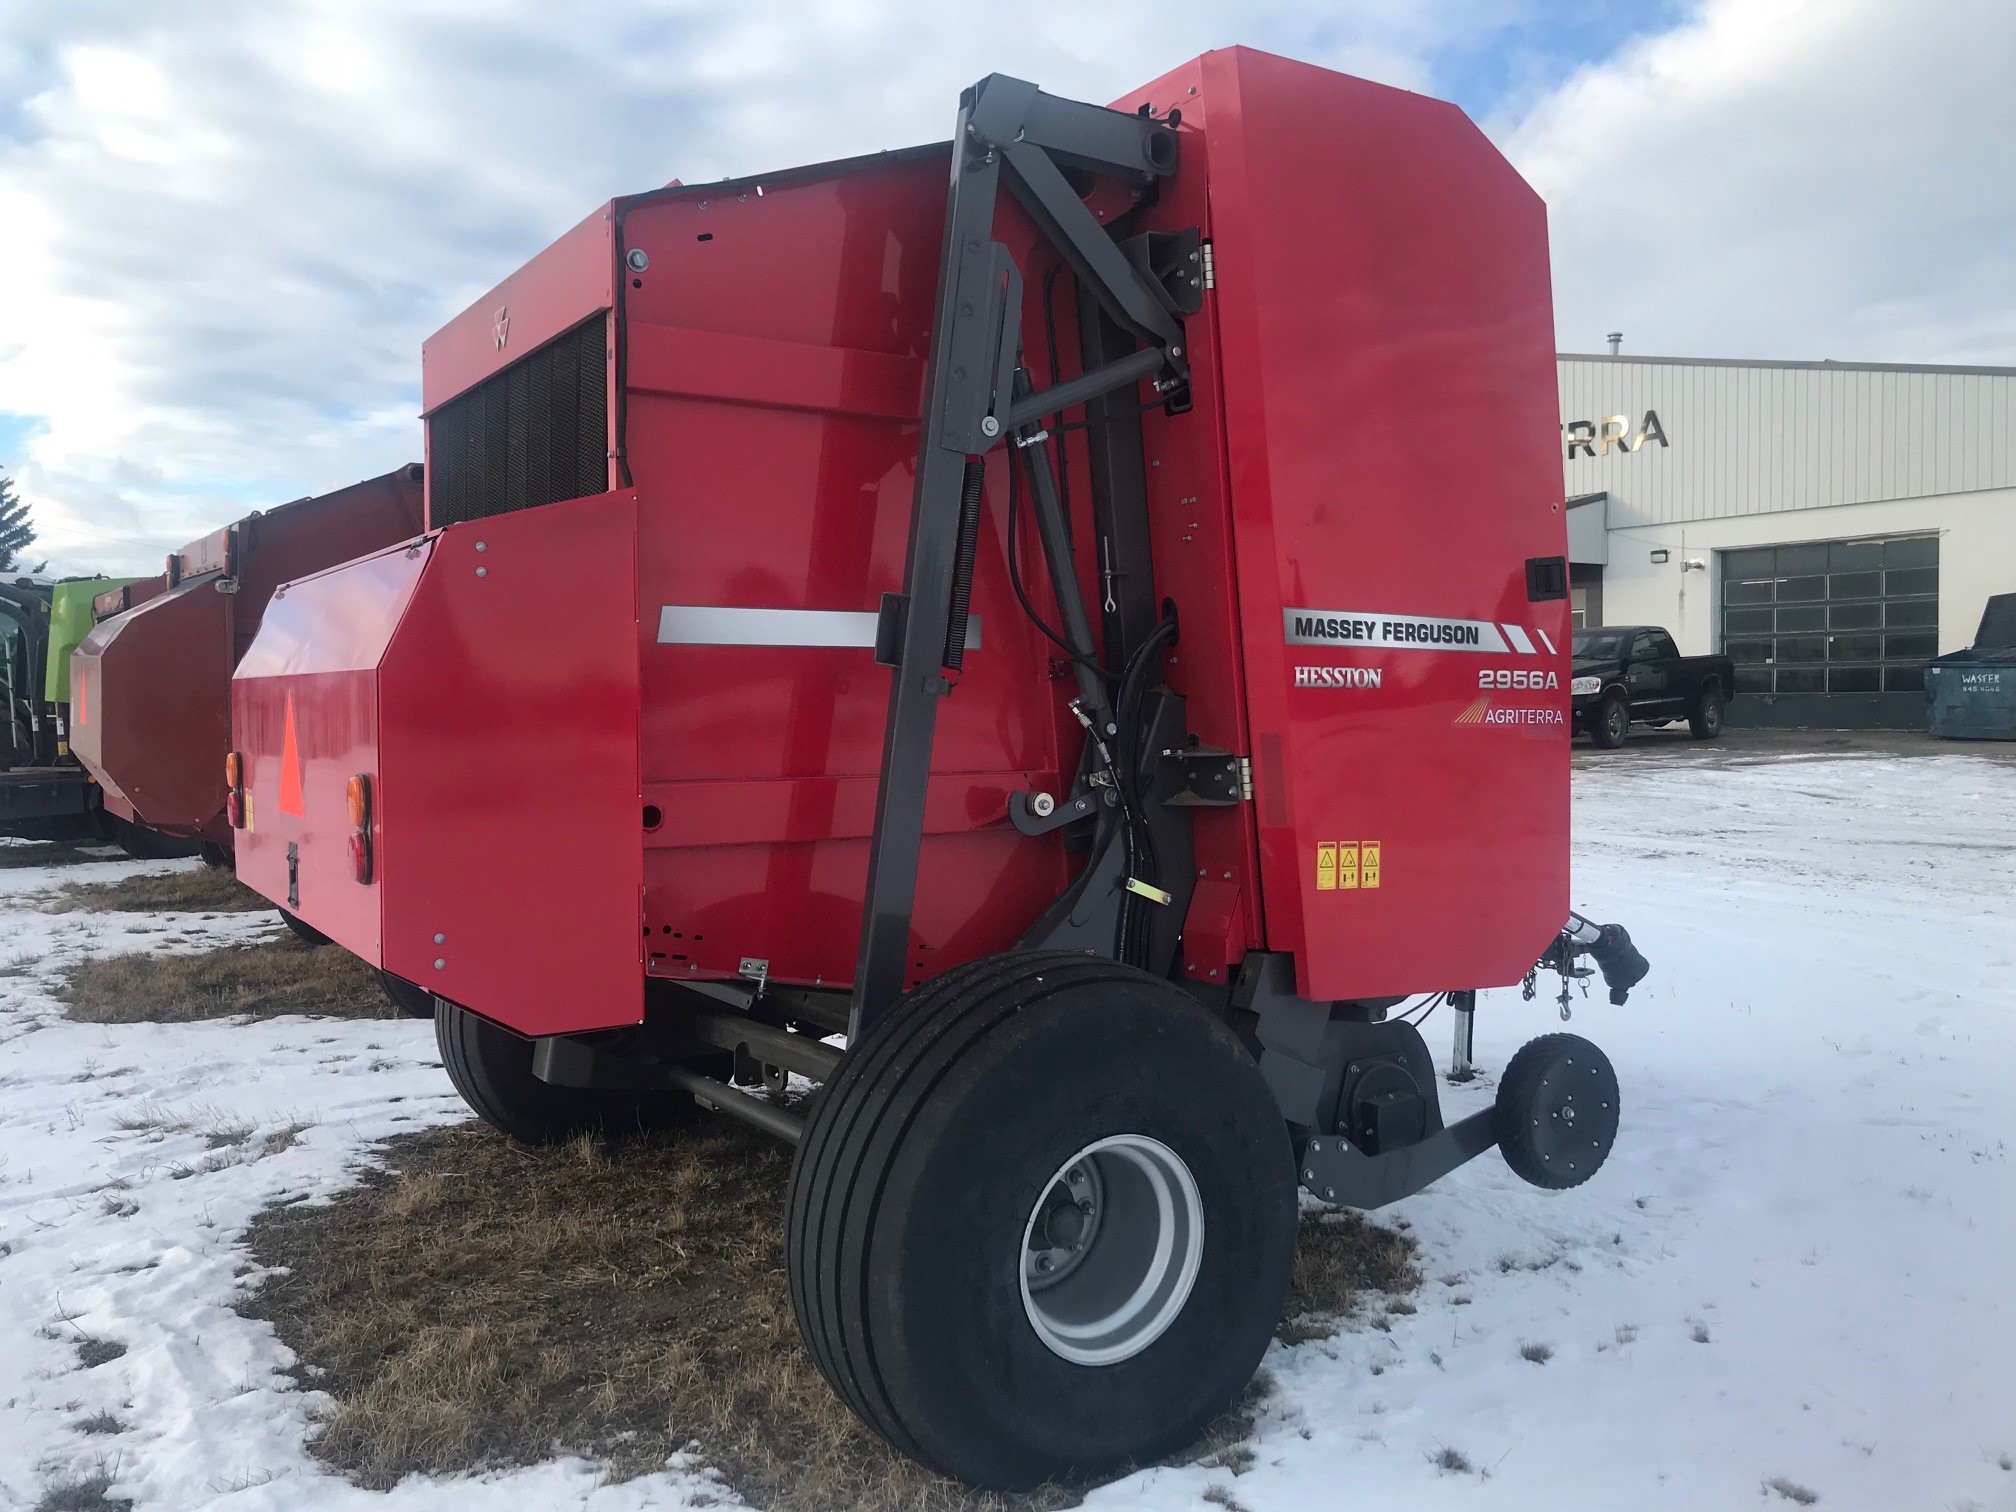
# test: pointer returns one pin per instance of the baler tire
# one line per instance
(301, 929)
(1704, 720)
(144, 844)
(1606, 729)
(492, 1068)
(410, 998)
(1544, 1075)
(926, 1160)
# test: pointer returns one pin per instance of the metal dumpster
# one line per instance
(1971, 694)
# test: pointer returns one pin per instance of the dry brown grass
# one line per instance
(83, 1492)
(483, 1304)
(1343, 1261)
(261, 981)
(199, 889)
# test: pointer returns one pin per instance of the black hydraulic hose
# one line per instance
(1056, 376)
(1021, 593)
(1142, 863)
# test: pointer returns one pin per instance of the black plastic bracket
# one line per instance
(1546, 579)
(889, 629)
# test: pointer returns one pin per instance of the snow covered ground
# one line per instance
(1795, 1266)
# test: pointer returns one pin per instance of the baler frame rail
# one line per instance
(975, 395)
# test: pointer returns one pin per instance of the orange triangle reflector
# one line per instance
(290, 767)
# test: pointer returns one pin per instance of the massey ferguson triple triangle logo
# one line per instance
(501, 326)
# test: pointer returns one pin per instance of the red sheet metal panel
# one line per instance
(155, 721)
(775, 370)
(1386, 325)
(512, 849)
(314, 667)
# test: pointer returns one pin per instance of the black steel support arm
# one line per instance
(968, 407)
(1099, 263)
(1124, 373)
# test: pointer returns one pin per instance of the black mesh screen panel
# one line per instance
(536, 433)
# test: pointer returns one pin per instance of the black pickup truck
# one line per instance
(1633, 674)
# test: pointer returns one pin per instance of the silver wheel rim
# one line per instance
(1111, 1250)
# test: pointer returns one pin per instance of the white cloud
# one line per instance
(1789, 179)
(228, 226)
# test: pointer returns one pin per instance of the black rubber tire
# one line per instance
(301, 929)
(1612, 722)
(216, 857)
(410, 998)
(1556, 1116)
(492, 1068)
(922, 1161)
(1704, 720)
(144, 844)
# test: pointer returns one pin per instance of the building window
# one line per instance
(1828, 617)
(1585, 595)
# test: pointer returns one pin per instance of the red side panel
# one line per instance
(1388, 366)
(508, 789)
(775, 362)
(157, 719)
(315, 667)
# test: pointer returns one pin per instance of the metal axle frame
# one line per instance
(1009, 134)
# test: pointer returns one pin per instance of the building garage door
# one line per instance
(1849, 622)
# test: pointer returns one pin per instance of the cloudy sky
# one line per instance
(226, 225)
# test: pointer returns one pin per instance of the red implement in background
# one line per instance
(154, 722)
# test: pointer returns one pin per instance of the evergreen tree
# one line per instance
(16, 533)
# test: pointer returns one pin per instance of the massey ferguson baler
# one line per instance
(1081, 611)
(151, 701)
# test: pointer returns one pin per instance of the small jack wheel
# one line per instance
(1557, 1111)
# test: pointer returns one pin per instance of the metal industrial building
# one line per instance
(1828, 525)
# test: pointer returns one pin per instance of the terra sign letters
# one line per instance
(1586, 437)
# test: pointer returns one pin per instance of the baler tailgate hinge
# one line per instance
(1210, 267)
(1212, 778)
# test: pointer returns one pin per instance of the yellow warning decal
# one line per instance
(1326, 868)
(1368, 863)
(1347, 865)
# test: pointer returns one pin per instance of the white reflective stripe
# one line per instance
(1389, 632)
(723, 625)
(1546, 640)
(1521, 641)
